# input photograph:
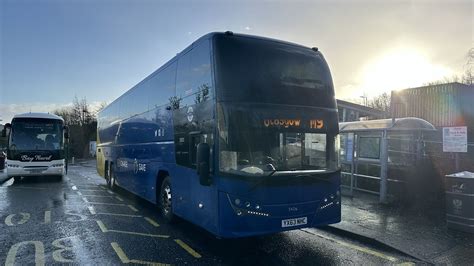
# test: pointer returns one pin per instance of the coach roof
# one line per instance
(38, 115)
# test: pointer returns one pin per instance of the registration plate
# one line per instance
(294, 222)
(36, 171)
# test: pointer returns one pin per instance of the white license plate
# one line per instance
(294, 222)
(35, 171)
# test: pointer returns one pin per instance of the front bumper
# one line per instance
(17, 168)
(243, 221)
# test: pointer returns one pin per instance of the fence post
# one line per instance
(456, 162)
(383, 167)
(352, 160)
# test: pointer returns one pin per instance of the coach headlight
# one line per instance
(330, 200)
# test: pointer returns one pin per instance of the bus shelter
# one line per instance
(382, 156)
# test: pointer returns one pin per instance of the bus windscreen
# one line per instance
(36, 134)
(271, 72)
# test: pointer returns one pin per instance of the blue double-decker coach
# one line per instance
(237, 134)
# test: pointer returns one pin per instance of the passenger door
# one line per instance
(193, 118)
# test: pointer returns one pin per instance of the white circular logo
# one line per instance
(190, 114)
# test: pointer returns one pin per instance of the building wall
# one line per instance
(349, 112)
(444, 105)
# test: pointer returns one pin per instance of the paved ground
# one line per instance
(420, 231)
(78, 220)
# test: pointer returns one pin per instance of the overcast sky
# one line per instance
(52, 51)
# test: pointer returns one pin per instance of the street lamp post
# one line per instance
(365, 99)
(83, 116)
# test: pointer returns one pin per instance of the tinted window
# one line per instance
(162, 87)
(137, 130)
(251, 70)
(193, 80)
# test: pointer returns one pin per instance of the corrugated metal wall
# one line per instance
(442, 105)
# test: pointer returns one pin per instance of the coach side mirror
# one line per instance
(66, 132)
(6, 127)
(203, 163)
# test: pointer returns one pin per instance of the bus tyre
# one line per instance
(17, 178)
(165, 201)
(110, 177)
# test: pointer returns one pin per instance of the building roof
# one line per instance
(38, 115)
(407, 123)
(361, 108)
(456, 85)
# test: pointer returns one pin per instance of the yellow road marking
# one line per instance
(39, 252)
(79, 193)
(358, 248)
(85, 200)
(100, 196)
(119, 198)
(102, 226)
(137, 234)
(58, 254)
(74, 187)
(10, 187)
(86, 185)
(47, 217)
(406, 264)
(104, 229)
(24, 218)
(110, 192)
(155, 224)
(124, 258)
(105, 203)
(92, 190)
(132, 208)
(91, 210)
(118, 214)
(188, 248)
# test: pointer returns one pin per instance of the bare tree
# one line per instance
(82, 126)
(452, 79)
(65, 113)
(468, 75)
(381, 102)
(99, 108)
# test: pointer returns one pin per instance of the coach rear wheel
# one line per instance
(110, 177)
(165, 202)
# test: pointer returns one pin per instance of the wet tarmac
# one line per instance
(79, 220)
(418, 230)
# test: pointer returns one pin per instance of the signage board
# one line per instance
(454, 139)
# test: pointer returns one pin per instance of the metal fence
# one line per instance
(414, 166)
